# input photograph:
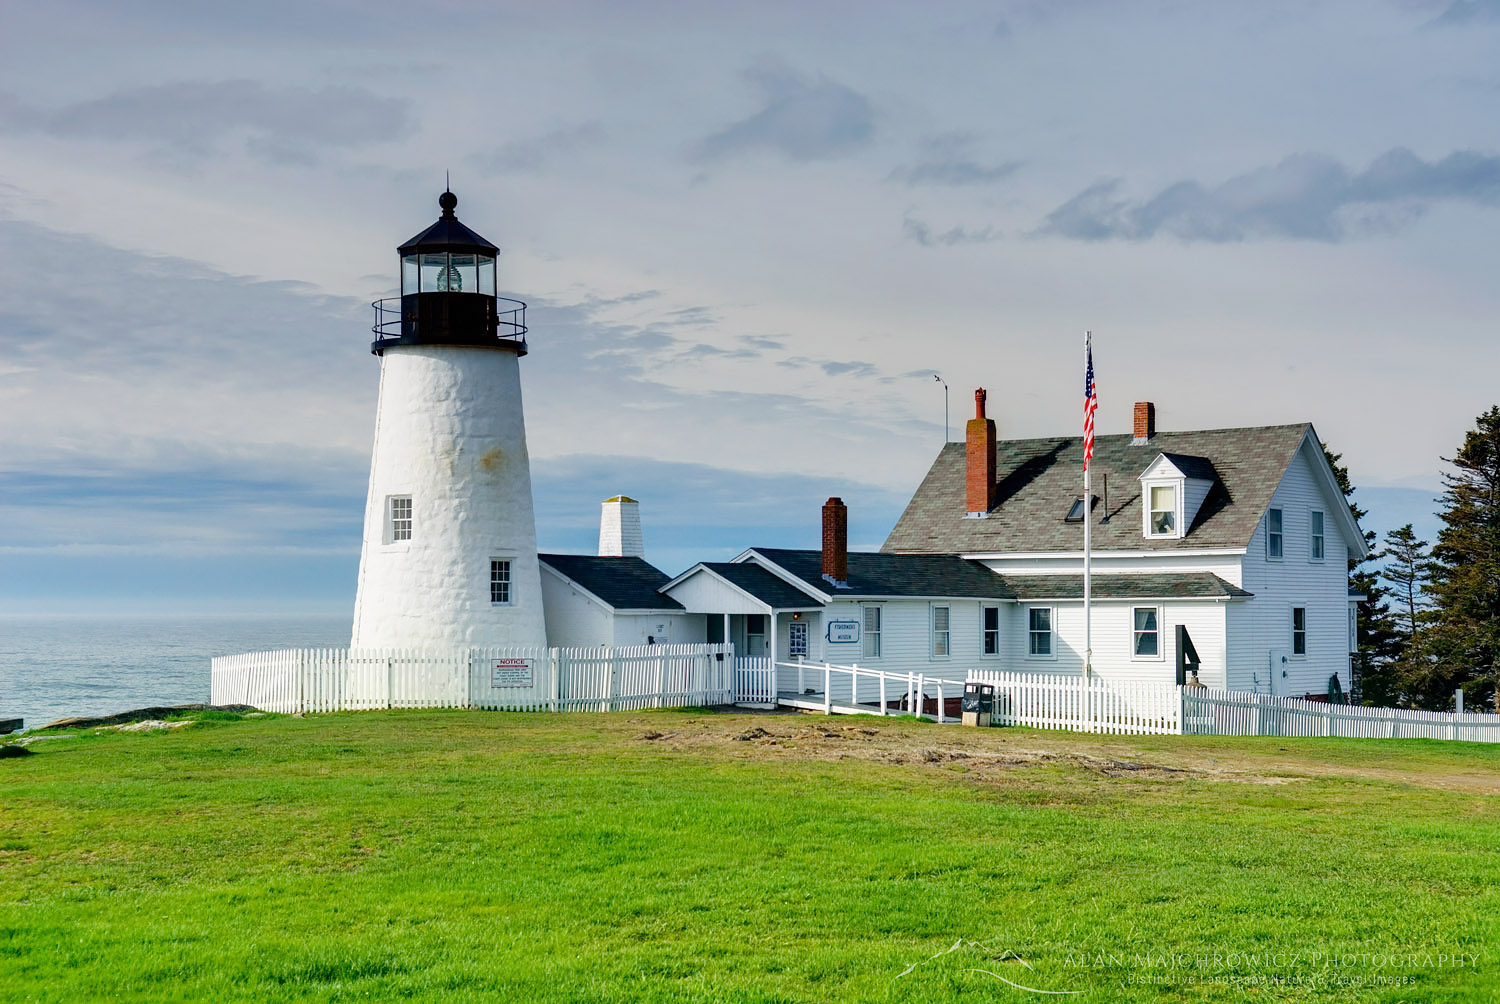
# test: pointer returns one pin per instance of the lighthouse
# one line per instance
(449, 557)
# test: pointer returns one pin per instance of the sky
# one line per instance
(749, 235)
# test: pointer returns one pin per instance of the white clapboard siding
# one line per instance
(1238, 713)
(538, 679)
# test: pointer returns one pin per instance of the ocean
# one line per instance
(54, 667)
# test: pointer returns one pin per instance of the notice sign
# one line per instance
(843, 632)
(510, 673)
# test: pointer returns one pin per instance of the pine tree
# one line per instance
(1464, 638)
(1378, 642)
(1408, 571)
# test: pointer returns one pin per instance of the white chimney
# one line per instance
(620, 529)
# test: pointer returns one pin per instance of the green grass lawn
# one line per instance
(455, 856)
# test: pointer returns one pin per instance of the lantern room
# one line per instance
(448, 292)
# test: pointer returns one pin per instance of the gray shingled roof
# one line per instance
(1038, 479)
(1153, 586)
(877, 574)
(623, 583)
(763, 585)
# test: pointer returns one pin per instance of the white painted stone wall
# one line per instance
(450, 432)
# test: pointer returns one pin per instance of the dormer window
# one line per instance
(1162, 521)
(1173, 490)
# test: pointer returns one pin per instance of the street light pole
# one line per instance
(945, 405)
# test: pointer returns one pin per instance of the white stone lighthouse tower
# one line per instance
(449, 557)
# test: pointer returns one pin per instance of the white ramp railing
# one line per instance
(860, 690)
(513, 678)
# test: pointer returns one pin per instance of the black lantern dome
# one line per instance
(448, 292)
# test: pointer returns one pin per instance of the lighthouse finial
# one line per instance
(447, 200)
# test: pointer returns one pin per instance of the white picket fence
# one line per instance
(1237, 713)
(1053, 701)
(755, 682)
(514, 679)
(1057, 701)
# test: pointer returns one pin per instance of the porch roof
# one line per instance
(1152, 586)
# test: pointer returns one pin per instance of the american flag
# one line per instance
(1090, 401)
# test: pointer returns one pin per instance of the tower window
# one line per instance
(1317, 543)
(1274, 535)
(499, 580)
(399, 508)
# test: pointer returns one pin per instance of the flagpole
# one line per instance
(1088, 522)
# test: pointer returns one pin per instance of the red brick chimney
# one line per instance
(979, 444)
(1145, 421)
(836, 540)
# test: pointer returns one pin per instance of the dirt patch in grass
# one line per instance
(997, 751)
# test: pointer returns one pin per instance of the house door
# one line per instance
(755, 635)
(1276, 667)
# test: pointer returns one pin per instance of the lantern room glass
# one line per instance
(448, 273)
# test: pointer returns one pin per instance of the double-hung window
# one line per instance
(872, 632)
(1299, 630)
(941, 635)
(1274, 535)
(1147, 639)
(398, 514)
(1039, 632)
(990, 621)
(500, 580)
(1315, 542)
(1163, 521)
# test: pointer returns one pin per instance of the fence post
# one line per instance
(827, 689)
(883, 711)
(661, 681)
(921, 693)
(801, 686)
(940, 702)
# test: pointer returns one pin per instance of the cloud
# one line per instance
(1304, 197)
(916, 230)
(947, 161)
(804, 118)
(197, 118)
(530, 156)
(1462, 12)
(698, 512)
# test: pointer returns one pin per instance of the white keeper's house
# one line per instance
(1234, 542)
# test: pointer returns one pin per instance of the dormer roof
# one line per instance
(1190, 467)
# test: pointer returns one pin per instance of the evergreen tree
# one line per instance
(1378, 641)
(1464, 638)
(1407, 570)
